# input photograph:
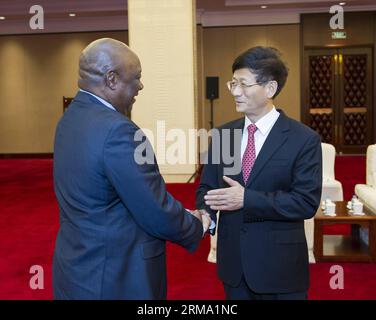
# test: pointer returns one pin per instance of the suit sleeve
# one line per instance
(142, 190)
(303, 198)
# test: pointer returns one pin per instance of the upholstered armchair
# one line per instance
(367, 192)
(331, 189)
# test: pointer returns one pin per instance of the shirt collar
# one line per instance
(106, 103)
(265, 123)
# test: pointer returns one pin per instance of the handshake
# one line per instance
(203, 216)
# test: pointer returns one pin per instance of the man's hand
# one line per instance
(204, 218)
(228, 199)
(196, 213)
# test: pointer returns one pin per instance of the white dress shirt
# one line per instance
(106, 103)
(264, 125)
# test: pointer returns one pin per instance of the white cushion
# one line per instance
(328, 158)
(309, 233)
(367, 195)
(332, 190)
(371, 165)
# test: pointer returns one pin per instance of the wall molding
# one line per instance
(26, 155)
(263, 17)
(113, 20)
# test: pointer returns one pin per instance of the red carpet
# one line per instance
(29, 222)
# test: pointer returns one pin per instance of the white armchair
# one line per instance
(331, 189)
(367, 192)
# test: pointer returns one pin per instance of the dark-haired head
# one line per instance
(265, 63)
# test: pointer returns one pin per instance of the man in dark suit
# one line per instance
(115, 214)
(261, 250)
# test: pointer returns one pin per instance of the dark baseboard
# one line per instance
(26, 155)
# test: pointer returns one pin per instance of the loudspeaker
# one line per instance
(212, 88)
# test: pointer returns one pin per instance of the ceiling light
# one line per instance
(2, 18)
(342, 3)
(72, 14)
(264, 7)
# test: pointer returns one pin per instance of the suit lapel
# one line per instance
(275, 139)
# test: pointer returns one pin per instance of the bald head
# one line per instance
(98, 58)
(107, 66)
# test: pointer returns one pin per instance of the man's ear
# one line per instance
(111, 79)
(271, 88)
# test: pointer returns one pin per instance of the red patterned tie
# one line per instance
(249, 156)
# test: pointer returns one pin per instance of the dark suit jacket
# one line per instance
(115, 215)
(265, 240)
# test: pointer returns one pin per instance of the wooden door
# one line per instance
(337, 96)
(354, 100)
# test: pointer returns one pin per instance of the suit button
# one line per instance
(243, 230)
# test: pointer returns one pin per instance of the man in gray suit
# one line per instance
(115, 215)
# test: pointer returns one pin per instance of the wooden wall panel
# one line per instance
(223, 45)
(37, 71)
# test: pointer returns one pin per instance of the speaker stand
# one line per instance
(211, 122)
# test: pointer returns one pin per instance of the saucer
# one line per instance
(329, 214)
(356, 214)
